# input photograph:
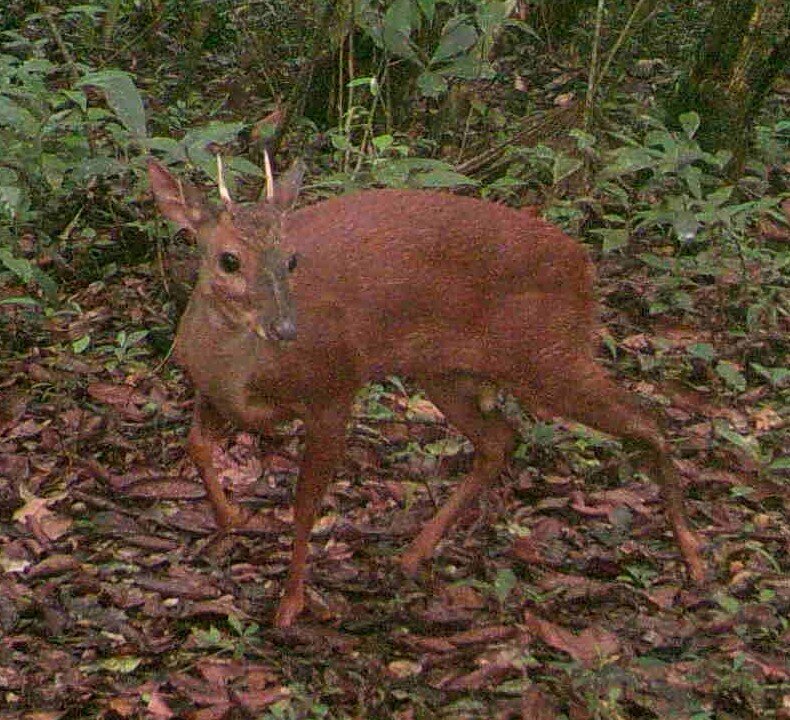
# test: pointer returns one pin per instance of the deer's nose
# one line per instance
(284, 329)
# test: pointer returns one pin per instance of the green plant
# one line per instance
(385, 159)
(444, 40)
(237, 642)
(665, 187)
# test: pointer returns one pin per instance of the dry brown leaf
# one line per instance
(158, 708)
(767, 419)
(463, 596)
(165, 490)
(195, 586)
(488, 675)
(215, 712)
(588, 647)
(53, 565)
(492, 633)
(638, 342)
(258, 700)
(123, 398)
(536, 705)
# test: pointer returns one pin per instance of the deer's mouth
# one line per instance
(280, 330)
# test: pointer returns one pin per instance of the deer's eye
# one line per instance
(229, 262)
(293, 260)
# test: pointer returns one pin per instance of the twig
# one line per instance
(64, 51)
(592, 81)
(621, 38)
(296, 99)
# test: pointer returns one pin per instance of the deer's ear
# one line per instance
(177, 201)
(287, 188)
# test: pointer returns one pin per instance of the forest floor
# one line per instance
(560, 594)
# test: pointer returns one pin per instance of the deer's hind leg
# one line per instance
(459, 398)
(583, 392)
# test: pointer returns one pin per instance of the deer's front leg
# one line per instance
(325, 434)
(205, 436)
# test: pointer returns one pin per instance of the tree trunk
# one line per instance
(746, 47)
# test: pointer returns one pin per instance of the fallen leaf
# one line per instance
(488, 675)
(165, 490)
(767, 419)
(123, 398)
(53, 565)
(158, 707)
(536, 705)
(464, 596)
(588, 647)
(401, 669)
(492, 633)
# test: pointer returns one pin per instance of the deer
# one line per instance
(294, 310)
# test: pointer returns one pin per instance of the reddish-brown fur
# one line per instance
(458, 294)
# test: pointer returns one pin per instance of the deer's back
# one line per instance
(407, 281)
(420, 238)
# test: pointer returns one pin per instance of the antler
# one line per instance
(269, 175)
(223, 188)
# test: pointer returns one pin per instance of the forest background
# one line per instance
(655, 132)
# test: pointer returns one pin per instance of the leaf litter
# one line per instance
(119, 599)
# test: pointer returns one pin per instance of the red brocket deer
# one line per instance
(458, 294)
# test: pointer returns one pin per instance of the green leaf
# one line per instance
(627, 160)
(397, 27)
(614, 239)
(720, 196)
(728, 603)
(491, 15)
(13, 198)
(236, 625)
(703, 351)
(564, 166)
(661, 138)
(693, 177)
(98, 167)
(400, 17)
(218, 133)
(81, 344)
(504, 582)
(242, 165)
(358, 82)
(340, 141)
(14, 116)
(86, 10)
(722, 158)
(19, 266)
(457, 39)
(443, 178)
(583, 139)
(690, 123)
(467, 67)
(383, 142)
(774, 375)
(656, 261)
(686, 226)
(122, 665)
(431, 84)
(122, 97)
(20, 300)
(728, 372)
(172, 148)
(748, 444)
(428, 8)
(77, 98)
